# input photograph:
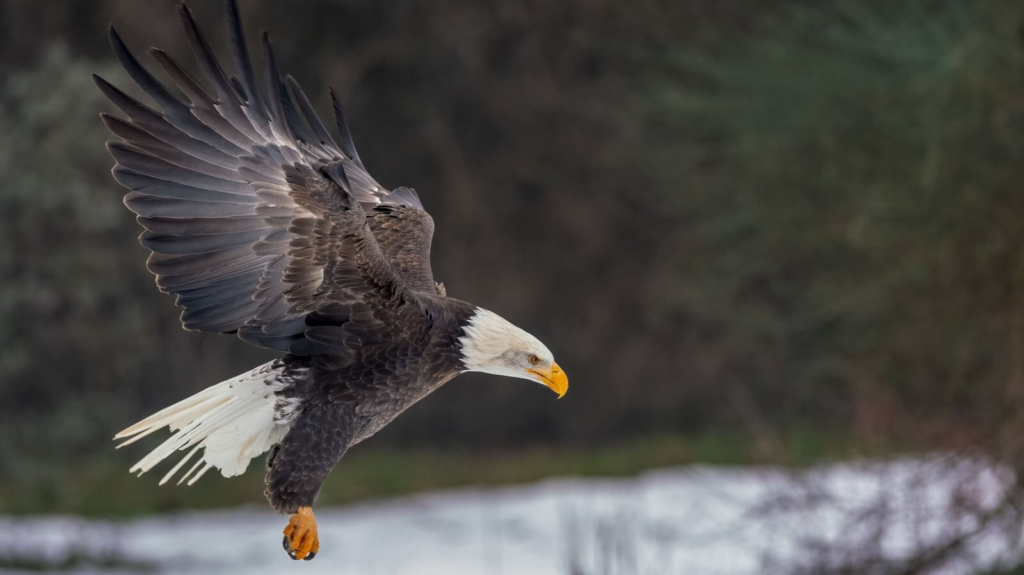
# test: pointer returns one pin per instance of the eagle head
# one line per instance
(491, 344)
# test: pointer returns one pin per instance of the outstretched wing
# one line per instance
(248, 203)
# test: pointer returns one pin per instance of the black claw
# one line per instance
(288, 547)
(309, 557)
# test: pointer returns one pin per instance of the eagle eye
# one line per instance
(534, 360)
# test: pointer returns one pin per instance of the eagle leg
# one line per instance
(300, 537)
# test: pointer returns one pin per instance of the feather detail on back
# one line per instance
(231, 422)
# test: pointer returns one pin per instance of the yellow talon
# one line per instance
(300, 537)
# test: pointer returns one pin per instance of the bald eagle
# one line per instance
(266, 227)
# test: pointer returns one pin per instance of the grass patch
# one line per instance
(104, 488)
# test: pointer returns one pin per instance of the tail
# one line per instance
(232, 422)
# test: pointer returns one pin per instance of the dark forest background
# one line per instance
(750, 230)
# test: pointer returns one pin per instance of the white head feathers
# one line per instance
(493, 345)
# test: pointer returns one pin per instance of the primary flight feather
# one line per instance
(265, 226)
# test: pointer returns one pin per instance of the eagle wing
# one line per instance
(254, 215)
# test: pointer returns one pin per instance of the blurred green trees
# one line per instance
(850, 177)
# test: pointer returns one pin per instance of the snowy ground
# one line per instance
(700, 520)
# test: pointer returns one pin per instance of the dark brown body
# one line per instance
(345, 398)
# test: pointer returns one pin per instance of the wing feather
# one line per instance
(348, 146)
(229, 104)
(187, 136)
(319, 132)
(243, 64)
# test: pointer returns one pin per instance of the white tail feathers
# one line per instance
(231, 422)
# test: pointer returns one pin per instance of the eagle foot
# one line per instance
(300, 537)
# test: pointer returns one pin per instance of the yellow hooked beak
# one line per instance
(554, 378)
